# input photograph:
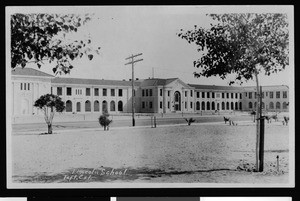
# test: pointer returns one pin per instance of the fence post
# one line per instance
(151, 121)
(154, 121)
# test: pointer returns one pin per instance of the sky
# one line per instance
(121, 31)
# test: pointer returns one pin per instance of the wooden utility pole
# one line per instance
(132, 80)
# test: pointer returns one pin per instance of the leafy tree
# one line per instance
(47, 103)
(104, 121)
(241, 44)
(42, 37)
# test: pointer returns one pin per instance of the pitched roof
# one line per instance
(214, 87)
(156, 82)
(29, 72)
(271, 88)
(60, 80)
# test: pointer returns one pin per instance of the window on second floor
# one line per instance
(69, 91)
(277, 94)
(112, 92)
(120, 92)
(96, 92)
(104, 92)
(284, 95)
(59, 91)
(250, 95)
(271, 94)
(88, 91)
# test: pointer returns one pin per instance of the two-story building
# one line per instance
(151, 95)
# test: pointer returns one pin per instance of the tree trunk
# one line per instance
(257, 122)
(49, 128)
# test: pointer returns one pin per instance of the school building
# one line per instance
(151, 95)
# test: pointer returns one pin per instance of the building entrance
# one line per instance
(177, 101)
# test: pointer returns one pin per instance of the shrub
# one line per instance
(104, 121)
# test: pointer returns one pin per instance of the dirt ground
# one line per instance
(200, 153)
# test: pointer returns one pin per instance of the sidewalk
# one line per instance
(56, 131)
(122, 116)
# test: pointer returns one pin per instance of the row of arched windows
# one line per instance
(87, 108)
(216, 106)
(271, 105)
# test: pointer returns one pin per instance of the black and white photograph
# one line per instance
(150, 96)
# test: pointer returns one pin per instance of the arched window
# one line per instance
(241, 106)
(96, 106)
(271, 105)
(213, 106)
(284, 105)
(69, 106)
(87, 106)
(277, 105)
(236, 106)
(262, 105)
(78, 108)
(112, 106)
(197, 105)
(223, 106)
(250, 105)
(208, 105)
(227, 106)
(203, 105)
(231, 105)
(104, 106)
(255, 105)
(120, 106)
